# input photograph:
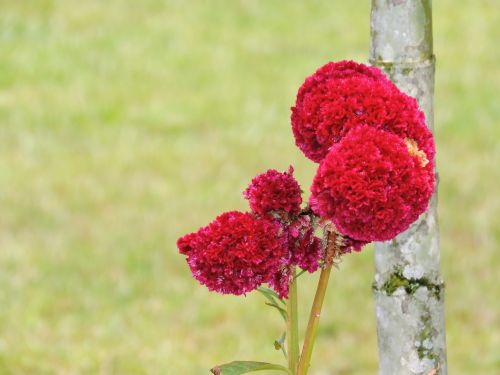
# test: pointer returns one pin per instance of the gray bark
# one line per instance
(408, 288)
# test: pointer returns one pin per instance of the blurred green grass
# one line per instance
(125, 124)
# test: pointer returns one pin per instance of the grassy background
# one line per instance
(125, 124)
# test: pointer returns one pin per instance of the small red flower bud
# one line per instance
(274, 191)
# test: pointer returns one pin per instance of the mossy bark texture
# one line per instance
(408, 288)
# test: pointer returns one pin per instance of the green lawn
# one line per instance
(125, 124)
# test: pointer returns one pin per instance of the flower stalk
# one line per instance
(292, 325)
(319, 297)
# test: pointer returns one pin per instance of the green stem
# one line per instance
(292, 325)
(312, 325)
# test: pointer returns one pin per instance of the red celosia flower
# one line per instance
(372, 184)
(274, 191)
(305, 251)
(235, 253)
(305, 247)
(340, 96)
(348, 69)
(280, 281)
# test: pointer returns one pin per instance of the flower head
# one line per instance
(280, 281)
(274, 191)
(236, 252)
(372, 184)
(341, 96)
(305, 250)
(305, 247)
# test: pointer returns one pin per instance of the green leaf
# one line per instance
(280, 344)
(243, 367)
(282, 311)
(299, 274)
(274, 300)
(270, 294)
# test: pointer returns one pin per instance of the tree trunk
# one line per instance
(408, 288)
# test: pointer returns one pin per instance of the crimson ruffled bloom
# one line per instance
(373, 184)
(343, 95)
(305, 247)
(304, 251)
(374, 179)
(274, 191)
(236, 253)
(280, 281)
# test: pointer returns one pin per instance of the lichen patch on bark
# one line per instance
(398, 280)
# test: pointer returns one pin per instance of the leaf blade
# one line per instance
(274, 301)
(243, 367)
(270, 294)
(281, 310)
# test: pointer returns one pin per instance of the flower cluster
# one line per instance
(236, 252)
(274, 191)
(305, 247)
(341, 96)
(375, 177)
(305, 250)
(372, 184)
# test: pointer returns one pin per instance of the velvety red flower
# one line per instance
(280, 281)
(348, 69)
(340, 96)
(304, 251)
(372, 184)
(305, 247)
(274, 191)
(236, 253)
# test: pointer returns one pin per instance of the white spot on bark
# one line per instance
(415, 271)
